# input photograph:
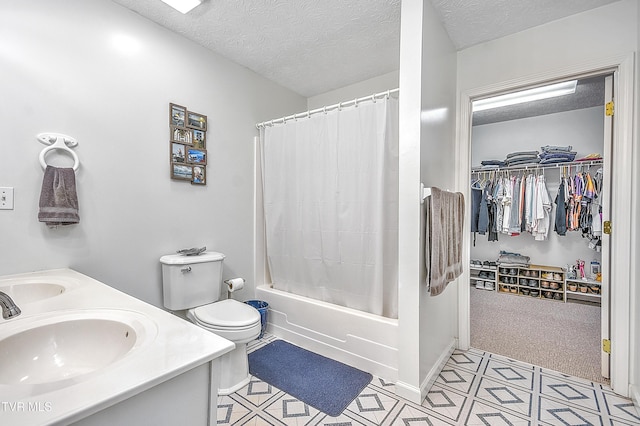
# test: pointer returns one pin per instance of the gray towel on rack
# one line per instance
(443, 238)
(58, 197)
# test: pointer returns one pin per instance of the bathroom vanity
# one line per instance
(82, 352)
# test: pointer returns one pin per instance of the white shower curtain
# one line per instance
(331, 205)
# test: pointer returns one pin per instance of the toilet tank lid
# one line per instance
(179, 259)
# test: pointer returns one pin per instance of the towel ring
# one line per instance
(58, 141)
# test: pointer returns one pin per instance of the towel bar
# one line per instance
(426, 192)
(58, 141)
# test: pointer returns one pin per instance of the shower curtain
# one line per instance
(330, 186)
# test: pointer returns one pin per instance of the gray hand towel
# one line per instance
(443, 238)
(58, 197)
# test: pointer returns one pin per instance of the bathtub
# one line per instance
(365, 341)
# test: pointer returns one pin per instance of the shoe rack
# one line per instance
(583, 290)
(542, 282)
(537, 281)
(483, 275)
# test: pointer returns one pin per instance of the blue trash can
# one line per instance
(263, 308)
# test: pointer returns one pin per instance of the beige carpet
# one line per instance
(560, 336)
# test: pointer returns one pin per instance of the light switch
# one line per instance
(6, 198)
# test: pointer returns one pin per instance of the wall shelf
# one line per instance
(476, 170)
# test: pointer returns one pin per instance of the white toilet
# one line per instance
(194, 284)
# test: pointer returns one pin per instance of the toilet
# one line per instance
(192, 286)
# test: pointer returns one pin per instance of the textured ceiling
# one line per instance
(314, 46)
(470, 22)
(308, 46)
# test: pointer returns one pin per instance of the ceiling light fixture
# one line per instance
(183, 6)
(536, 94)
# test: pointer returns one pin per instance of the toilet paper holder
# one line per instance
(234, 284)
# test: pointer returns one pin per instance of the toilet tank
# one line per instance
(190, 281)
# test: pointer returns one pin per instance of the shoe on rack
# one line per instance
(488, 285)
(480, 284)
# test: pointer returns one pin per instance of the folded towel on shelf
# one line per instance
(499, 163)
(513, 259)
(522, 154)
(58, 197)
(547, 148)
(590, 157)
(557, 156)
(443, 238)
(524, 160)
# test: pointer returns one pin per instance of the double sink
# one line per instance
(56, 346)
(79, 345)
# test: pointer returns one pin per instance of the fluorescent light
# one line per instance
(545, 92)
(183, 6)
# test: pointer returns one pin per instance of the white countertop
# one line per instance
(176, 347)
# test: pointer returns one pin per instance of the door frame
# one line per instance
(622, 241)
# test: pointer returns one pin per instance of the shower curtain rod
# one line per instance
(325, 109)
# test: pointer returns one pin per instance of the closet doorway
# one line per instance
(621, 242)
(539, 191)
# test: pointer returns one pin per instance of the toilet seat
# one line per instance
(227, 313)
(228, 318)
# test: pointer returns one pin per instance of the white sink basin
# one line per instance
(69, 344)
(28, 292)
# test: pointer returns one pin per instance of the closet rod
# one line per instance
(538, 166)
(325, 109)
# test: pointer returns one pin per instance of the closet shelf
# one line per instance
(537, 166)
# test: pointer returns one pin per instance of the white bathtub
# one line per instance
(362, 340)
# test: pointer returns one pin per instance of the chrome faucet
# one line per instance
(9, 308)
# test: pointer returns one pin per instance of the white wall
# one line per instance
(438, 315)
(583, 129)
(61, 72)
(635, 291)
(427, 105)
(368, 87)
(575, 39)
(569, 43)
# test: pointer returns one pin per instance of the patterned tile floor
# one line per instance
(474, 388)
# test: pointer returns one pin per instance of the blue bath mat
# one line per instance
(320, 382)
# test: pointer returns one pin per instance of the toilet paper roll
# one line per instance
(235, 284)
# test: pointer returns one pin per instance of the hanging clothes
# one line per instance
(476, 198)
(542, 210)
(514, 217)
(560, 224)
(498, 200)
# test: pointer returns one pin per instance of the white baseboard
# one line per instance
(408, 392)
(417, 395)
(433, 374)
(634, 394)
